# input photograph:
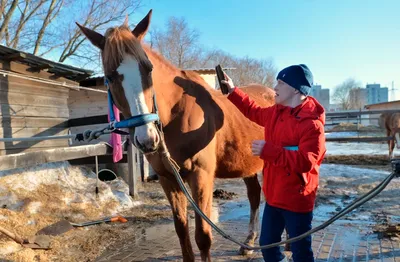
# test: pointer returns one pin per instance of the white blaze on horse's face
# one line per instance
(147, 134)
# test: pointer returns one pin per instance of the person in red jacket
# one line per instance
(293, 150)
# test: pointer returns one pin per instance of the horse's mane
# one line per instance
(119, 42)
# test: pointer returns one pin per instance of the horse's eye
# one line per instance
(109, 79)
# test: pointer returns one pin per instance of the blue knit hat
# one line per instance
(297, 76)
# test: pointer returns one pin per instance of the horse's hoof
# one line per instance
(151, 178)
(245, 252)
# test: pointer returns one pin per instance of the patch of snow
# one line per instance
(332, 171)
(341, 134)
(33, 207)
(9, 248)
(23, 188)
(335, 148)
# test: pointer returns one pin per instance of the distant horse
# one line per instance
(204, 132)
(391, 122)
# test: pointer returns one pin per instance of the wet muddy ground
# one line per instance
(339, 186)
(358, 235)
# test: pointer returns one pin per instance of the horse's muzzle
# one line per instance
(147, 148)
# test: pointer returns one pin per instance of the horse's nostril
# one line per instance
(138, 144)
(148, 146)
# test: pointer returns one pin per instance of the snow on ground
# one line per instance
(20, 189)
(339, 186)
(335, 148)
(35, 197)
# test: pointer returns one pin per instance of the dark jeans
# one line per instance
(273, 223)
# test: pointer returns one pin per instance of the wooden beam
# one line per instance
(38, 68)
(14, 57)
(132, 174)
(377, 130)
(357, 113)
(91, 120)
(52, 155)
(358, 139)
(104, 159)
(58, 74)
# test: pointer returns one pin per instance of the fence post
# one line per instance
(132, 174)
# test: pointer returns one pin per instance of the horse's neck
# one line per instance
(167, 92)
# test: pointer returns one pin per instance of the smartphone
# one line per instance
(221, 76)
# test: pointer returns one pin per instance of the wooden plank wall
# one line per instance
(86, 103)
(29, 108)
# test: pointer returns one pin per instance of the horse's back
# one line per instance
(395, 120)
(263, 95)
(234, 139)
(233, 131)
(384, 120)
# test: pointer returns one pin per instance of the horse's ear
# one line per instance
(126, 22)
(94, 37)
(142, 27)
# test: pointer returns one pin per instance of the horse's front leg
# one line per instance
(254, 195)
(391, 145)
(201, 183)
(178, 203)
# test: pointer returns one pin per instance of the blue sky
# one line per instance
(336, 39)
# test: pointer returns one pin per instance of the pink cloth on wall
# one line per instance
(115, 140)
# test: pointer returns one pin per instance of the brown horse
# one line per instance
(205, 134)
(391, 122)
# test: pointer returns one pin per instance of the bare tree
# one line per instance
(250, 70)
(213, 57)
(178, 43)
(245, 70)
(48, 26)
(341, 94)
(54, 9)
(358, 98)
(27, 12)
(3, 5)
(7, 17)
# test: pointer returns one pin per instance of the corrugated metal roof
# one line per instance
(36, 62)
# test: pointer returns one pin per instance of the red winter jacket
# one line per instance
(290, 178)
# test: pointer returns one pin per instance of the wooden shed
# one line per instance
(34, 99)
(384, 106)
(392, 105)
(88, 110)
(85, 104)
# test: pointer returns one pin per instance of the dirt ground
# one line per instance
(339, 185)
(377, 161)
(87, 243)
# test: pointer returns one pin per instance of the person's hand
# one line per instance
(229, 83)
(257, 147)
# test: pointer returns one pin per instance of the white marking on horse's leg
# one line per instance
(254, 225)
(254, 222)
(397, 140)
(132, 84)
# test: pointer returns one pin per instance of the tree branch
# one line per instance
(7, 18)
(44, 25)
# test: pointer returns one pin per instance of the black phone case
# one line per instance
(220, 76)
